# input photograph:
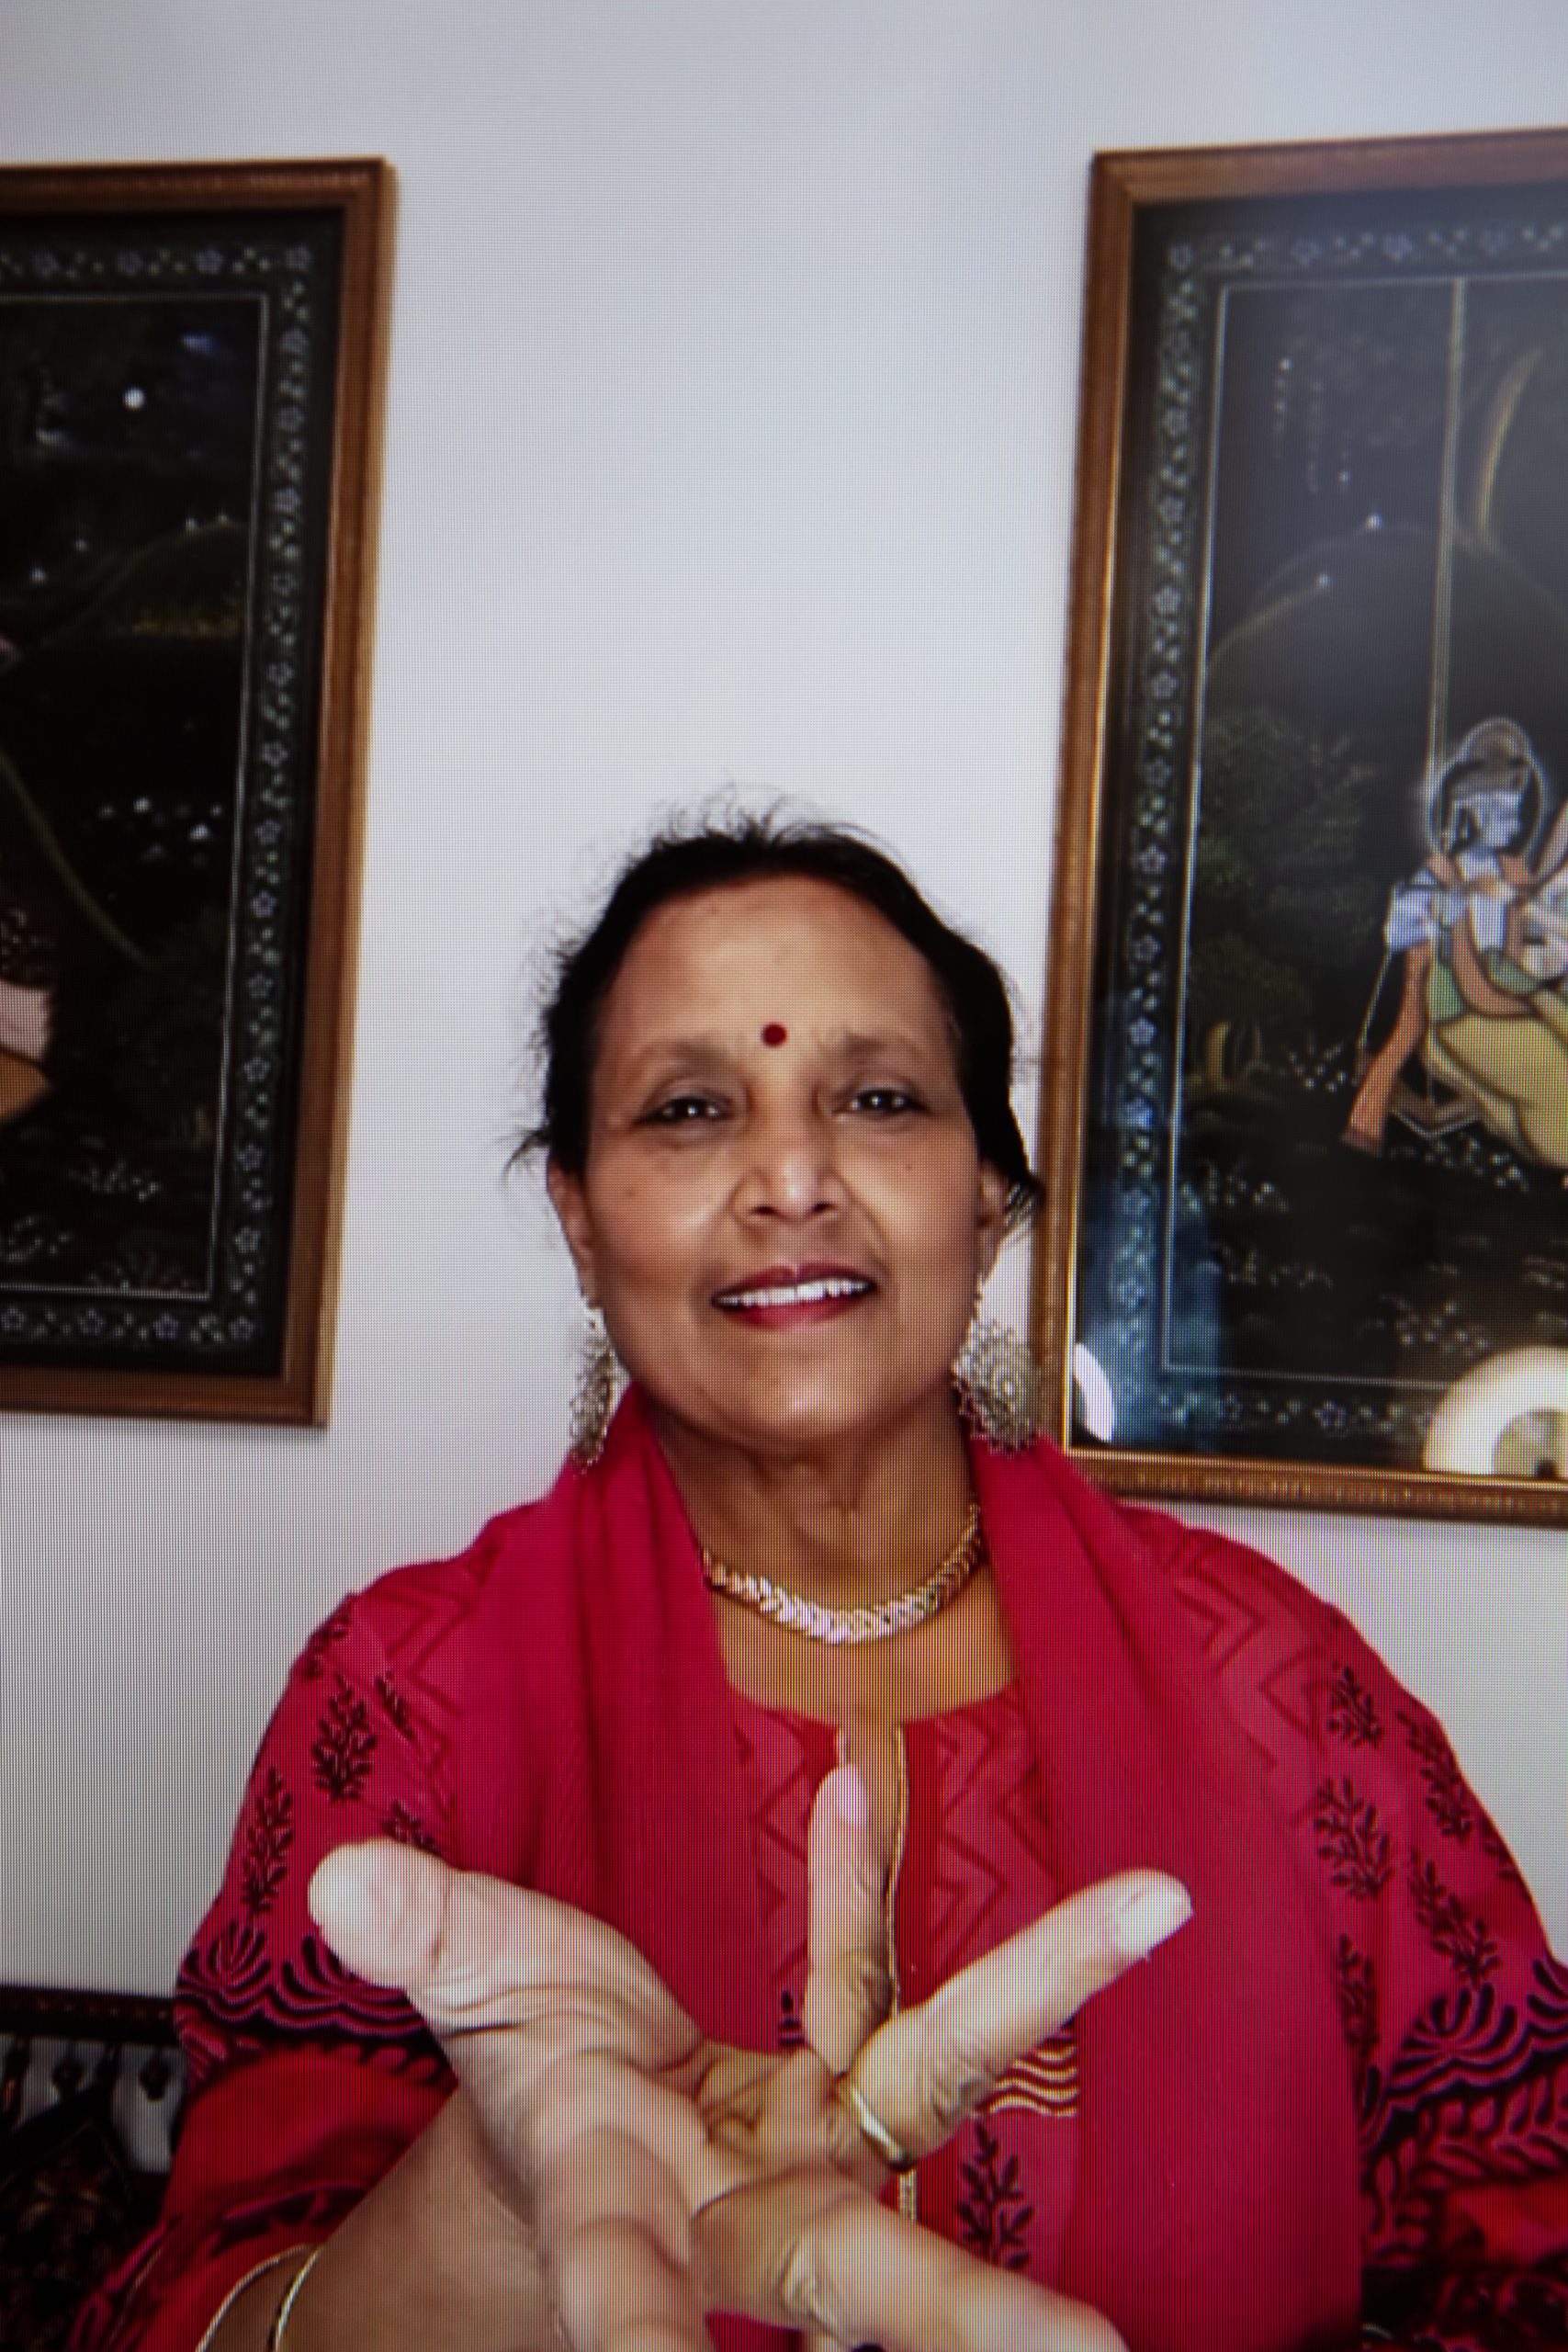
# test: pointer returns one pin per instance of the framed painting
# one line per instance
(191, 362)
(1306, 1085)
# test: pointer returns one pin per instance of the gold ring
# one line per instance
(897, 2158)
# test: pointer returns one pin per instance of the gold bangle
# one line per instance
(290, 2297)
(242, 2286)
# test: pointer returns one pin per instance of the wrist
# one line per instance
(290, 2297)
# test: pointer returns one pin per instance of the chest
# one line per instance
(869, 1690)
(971, 1870)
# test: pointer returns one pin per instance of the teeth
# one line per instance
(798, 1293)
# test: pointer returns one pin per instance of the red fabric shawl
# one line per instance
(1217, 2202)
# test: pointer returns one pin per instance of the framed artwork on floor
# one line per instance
(191, 363)
(1306, 1092)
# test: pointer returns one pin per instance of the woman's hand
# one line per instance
(664, 2175)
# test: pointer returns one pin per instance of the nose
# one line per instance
(791, 1170)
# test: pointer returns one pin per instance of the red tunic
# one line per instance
(970, 1870)
(1453, 2016)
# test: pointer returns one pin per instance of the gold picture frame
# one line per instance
(1305, 1147)
(192, 361)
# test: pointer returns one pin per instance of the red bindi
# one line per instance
(774, 1034)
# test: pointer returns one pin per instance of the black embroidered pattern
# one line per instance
(1529, 2313)
(1468, 2047)
(406, 1827)
(218, 1981)
(1356, 1986)
(995, 2214)
(1351, 1714)
(1447, 1799)
(395, 1705)
(1492, 1847)
(327, 1633)
(1351, 1843)
(313, 1993)
(230, 2002)
(226, 1976)
(316, 2210)
(343, 1746)
(1449, 1925)
(1548, 2003)
(268, 1836)
(792, 2031)
(1474, 2072)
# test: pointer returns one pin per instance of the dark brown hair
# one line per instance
(682, 860)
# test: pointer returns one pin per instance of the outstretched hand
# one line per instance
(663, 2174)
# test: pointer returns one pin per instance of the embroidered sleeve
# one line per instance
(1455, 2015)
(305, 2083)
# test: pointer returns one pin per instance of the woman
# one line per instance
(758, 1830)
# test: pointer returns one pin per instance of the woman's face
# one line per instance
(784, 1214)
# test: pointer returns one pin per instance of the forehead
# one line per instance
(785, 944)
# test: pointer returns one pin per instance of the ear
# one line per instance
(569, 1202)
(992, 1191)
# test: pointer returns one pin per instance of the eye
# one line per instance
(683, 1111)
(884, 1102)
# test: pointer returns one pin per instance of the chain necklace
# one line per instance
(873, 1621)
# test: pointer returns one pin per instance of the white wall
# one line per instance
(730, 437)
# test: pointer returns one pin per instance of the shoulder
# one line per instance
(1236, 1596)
(1333, 1725)
(423, 1607)
(1291, 1670)
(397, 1653)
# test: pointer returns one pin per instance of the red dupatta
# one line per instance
(1217, 2198)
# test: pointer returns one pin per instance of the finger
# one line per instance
(473, 1953)
(810, 2251)
(930, 2066)
(848, 1989)
(615, 2236)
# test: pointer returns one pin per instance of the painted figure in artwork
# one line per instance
(1482, 932)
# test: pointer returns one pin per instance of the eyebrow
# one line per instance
(858, 1044)
(710, 1050)
(685, 1052)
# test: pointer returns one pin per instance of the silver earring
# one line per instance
(593, 1394)
(1001, 1394)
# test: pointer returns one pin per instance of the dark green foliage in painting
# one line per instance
(1281, 892)
(165, 1022)
(1231, 981)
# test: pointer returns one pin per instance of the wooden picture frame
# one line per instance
(1305, 1099)
(191, 372)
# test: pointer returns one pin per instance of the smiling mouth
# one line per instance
(813, 1290)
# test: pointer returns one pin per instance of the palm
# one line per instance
(665, 2174)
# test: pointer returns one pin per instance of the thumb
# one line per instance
(473, 1953)
(449, 1940)
(457, 1946)
(381, 1906)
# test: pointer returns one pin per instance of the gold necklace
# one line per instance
(873, 1620)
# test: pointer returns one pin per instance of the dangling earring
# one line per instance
(594, 1395)
(1001, 1394)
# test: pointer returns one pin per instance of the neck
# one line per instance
(856, 1520)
